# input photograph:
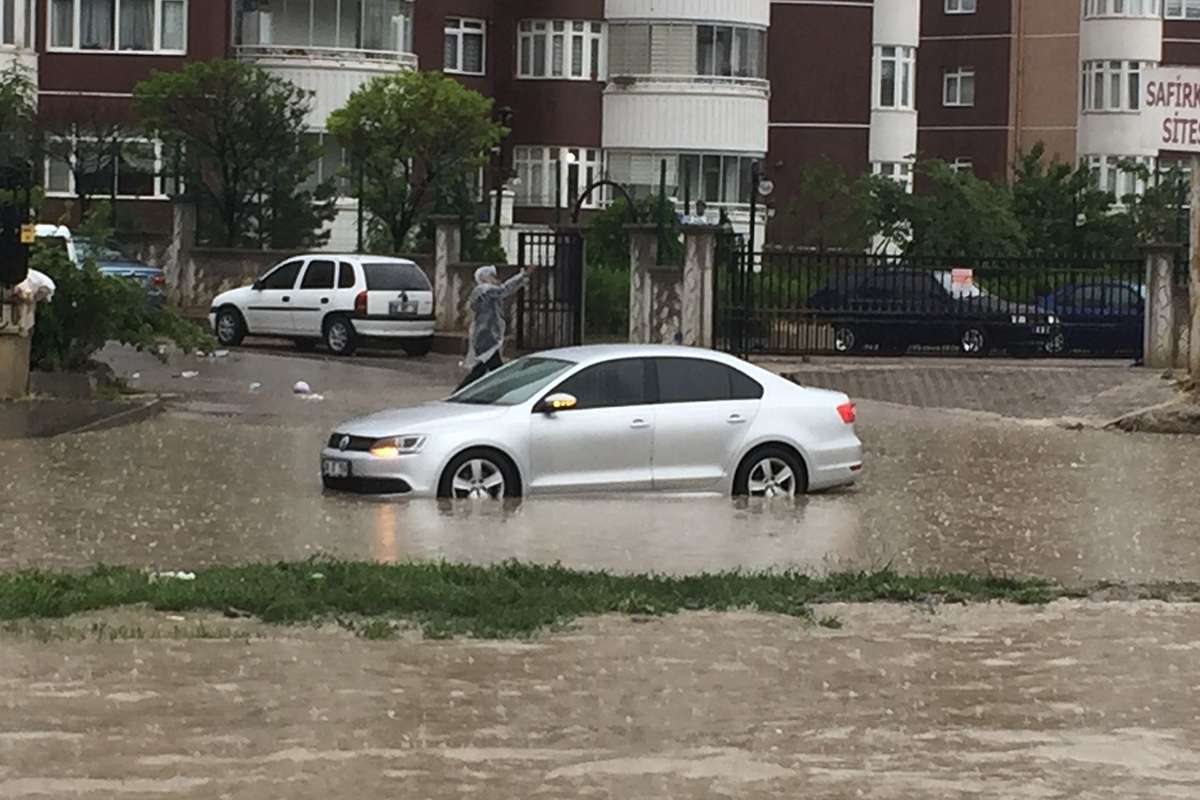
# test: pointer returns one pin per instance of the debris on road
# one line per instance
(301, 388)
(188, 373)
(255, 387)
(155, 577)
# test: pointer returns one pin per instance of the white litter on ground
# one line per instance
(188, 373)
(302, 388)
(172, 575)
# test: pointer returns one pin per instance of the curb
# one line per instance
(129, 416)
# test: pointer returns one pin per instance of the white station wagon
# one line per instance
(341, 300)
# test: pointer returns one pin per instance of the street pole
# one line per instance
(361, 181)
(1194, 282)
(558, 189)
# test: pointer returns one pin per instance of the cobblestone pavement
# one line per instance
(1021, 389)
(1074, 701)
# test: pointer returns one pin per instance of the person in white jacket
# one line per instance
(488, 321)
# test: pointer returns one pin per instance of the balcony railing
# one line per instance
(309, 53)
(760, 85)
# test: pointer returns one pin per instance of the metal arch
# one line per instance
(596, 185)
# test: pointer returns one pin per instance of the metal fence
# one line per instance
(550, 307)
(803, 302)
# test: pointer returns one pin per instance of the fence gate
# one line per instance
(550, 307)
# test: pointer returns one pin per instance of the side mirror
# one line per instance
(256, 286)
(557, 402)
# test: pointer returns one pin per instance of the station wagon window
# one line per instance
(283, 277)
(319, 275)
(395, 276)
(346, 276)
(690, 380)
(608, 385)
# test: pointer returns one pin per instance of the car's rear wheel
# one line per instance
(418, 347)
(340, 337)
(479, 474)
(974, 342)
(231, 328)
(846, 339)
(770, 471)
(1057, 344)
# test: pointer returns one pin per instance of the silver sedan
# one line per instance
(604, 418)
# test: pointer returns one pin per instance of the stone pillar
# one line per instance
(15, 340)
(643, 253)
(447, 250)
(1160, 336)
(178, 268)
(699, 261)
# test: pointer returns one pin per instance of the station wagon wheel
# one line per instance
(479, 474)
(845, 339)
(770, 471)
(974, 342)
(230, 327)
(339, 336)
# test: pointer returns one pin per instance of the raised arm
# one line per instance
(514, 284)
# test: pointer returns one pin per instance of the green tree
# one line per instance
(239, 134)
(410, 136)
(1160, 213)
(829, 207)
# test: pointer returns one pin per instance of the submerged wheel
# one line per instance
(770, 472)
(846, 339)
(974, 342)
(479, 474)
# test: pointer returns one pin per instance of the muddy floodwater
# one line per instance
(1077, 700)
(942, 490)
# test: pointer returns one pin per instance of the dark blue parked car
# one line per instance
(113, 263)
(1102, 316)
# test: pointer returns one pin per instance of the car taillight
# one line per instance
(846, 412)
(360, 304)
(158, 280)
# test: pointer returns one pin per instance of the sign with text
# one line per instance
(1171, 109)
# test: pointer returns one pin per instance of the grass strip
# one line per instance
(504, 600)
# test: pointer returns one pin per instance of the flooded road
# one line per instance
(942, 491)
(1076, 700)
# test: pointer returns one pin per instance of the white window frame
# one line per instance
(899, 171)
(21, 22)
(960, 6)
(904, 88)
(161, 179)
(1122, 8)
(1108, 176)
(1112, 86)
(957, 77)
(567, 35)
(1181, 9)
(463, 28)
(156, 50)
(535, 169)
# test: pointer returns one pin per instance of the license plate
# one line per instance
(398, 307)
(1042, 330)
(332, 468)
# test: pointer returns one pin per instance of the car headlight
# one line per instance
(1018, 319)
(1051, 320)
(397, 446)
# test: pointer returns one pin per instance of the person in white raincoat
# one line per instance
(488, 321)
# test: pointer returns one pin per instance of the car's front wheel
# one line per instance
(846, 339)
(340, 337)
(479, 474)
(974, 342)
(231, 328)
(770, 471)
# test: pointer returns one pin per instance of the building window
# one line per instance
(136, 169)
(145, 26)
(895, 74)
(370, 26)
(1112, 85)
(962, 164)
(1182, 9)
(960, 6)
(958, 87)
(537, 168)
(465, 39)
(561, 49)
(1108, 175)
(329, 164)
(716, 179)
(1122, 8)
(899, 171)
(727, 52)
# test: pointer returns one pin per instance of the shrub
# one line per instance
(90, 309)
(608, 302)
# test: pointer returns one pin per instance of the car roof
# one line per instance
(353, 257)
(587, 354)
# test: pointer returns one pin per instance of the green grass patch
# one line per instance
(499, 601)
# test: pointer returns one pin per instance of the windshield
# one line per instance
(514, 383)
(395, 276)
(88, 249)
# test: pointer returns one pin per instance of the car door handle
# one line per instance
(736, 419)
(287, 299)
(324, 300)
(639, 423)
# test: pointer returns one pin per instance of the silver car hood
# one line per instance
(419, 419)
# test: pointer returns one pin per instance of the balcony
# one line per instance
(328, 47)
